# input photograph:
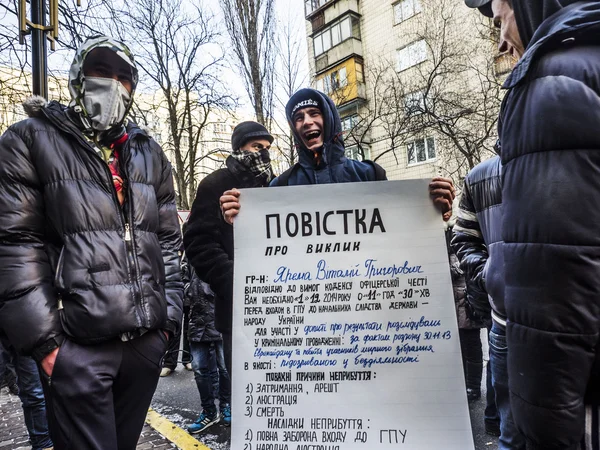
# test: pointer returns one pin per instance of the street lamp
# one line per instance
(39, 32)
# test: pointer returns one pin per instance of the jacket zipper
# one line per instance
(128, 236)
(131, 268)
(129, 248)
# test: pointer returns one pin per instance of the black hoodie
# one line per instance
(531, 13)
(334, 166)
(549, 130)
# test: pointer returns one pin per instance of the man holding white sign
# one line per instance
(317, 129)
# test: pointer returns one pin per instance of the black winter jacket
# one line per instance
(477, 239)
(67, 267)
(202, 311)
(208, 239)
(550, 134)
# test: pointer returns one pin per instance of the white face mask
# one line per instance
(105, 101)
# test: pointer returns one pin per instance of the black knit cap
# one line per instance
(304, 98)
(247, 131)
(484, 6)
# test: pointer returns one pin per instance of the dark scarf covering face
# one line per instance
(530, 14)
(258, 163)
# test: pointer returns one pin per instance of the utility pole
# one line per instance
(39, 33)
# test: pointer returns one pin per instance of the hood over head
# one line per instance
(77, 77)
(530, 14)
(577, 20)
(333, 143)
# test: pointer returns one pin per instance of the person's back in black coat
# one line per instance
(208, 239)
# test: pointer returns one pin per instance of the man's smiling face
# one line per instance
(308, 123)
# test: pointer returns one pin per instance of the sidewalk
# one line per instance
(13, 434)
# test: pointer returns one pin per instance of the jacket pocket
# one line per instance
(58, 363)
(497, 342)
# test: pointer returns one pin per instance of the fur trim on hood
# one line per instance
(33, 105)
(531, 14)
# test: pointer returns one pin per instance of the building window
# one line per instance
(313, 5)
(336, 34)
(333, 81)
(349, 122)
(360, 77)
(405, 9)
(339, 79)
(420, 151)
(354, 152)
(221, 128)
(415, 103)
(411, 55)
(318, 41)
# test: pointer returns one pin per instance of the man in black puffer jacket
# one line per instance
(549, 129)
(89, 262)
(208, 238)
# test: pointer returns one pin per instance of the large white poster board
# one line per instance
(344, 331)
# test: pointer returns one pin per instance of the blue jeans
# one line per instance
(208, 362)
(490, 414)
(32, 398)
(510, 438)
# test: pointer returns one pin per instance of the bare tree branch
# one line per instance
(250, 24)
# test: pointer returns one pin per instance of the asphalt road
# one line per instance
(177, 399)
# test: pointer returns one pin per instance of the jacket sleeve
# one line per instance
(28, 300)
(203, 242)
(169, 236)
(469, 246)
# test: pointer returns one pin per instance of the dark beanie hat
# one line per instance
(304, 98)
(247, 131)
(484, 6)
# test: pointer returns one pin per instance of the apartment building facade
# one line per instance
(410, 79)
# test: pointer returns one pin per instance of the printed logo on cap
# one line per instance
(305, 104)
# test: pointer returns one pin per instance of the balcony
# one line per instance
(344, 50)
(329, 11)
(354, 102)
(313, 6)
(340, 8)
